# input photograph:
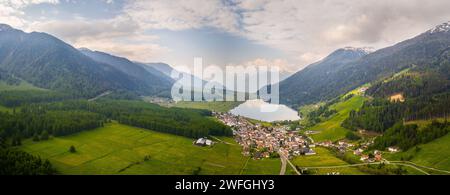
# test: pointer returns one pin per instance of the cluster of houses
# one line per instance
(343, 146)
(376, 157)
(260, 141)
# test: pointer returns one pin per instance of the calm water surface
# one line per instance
(260, 110)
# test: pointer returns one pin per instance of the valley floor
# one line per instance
(120, 149)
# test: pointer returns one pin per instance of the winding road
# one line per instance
(283, 166)
(284, 159)
(99, 96)
(403, 163)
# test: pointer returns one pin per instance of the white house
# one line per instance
(393, 149)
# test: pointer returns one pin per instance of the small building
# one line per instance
(378, 157)
(393, 149)
(364, 158)
(203, 142)
(307, 151)
(358, 151)
(310, 152)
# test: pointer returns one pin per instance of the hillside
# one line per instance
(329, 78)
(330, 128)
(306, 86)
(424, 90)
(161, 67)
(150, 77)
(433, 154)
(49, 63)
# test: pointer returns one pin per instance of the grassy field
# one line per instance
(422, 123)
(5, 109)
(325, 158)
(434, 154)
(23, 86)
(331, 129)
(213, 106)
(120, 149)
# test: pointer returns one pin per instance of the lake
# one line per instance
(263, 111)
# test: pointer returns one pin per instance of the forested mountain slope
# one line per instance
(48, 62)
(325, 81)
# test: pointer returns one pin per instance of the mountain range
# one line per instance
(347, 69)
(47, 62)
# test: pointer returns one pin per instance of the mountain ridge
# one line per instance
(47, 62)
(319, 82)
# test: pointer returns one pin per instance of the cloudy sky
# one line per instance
(286, 33)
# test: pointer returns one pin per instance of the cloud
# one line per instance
(11, 10)
(119, 36)
(305, 30)
(181, 15)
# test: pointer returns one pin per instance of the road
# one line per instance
(408, 164)
(285, 159)
(283, 166)
(228, 143)
(99, 96)
(421, 166)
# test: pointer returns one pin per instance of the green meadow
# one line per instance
(435, 154)
(213, 106)
(331, 129)
(120, 149)
(23, 86)
(5, 109)
(325, 158)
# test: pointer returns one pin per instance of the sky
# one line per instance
(289, 34)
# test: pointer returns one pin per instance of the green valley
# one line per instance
(121, 149)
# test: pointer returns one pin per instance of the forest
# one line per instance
(408, 136)
(19, 98)
(380, 114)
(426, 90)
(21, 163)
(72, 116)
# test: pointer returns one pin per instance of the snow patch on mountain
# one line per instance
(445, 27)
(366, 50)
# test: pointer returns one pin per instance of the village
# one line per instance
(260, 141)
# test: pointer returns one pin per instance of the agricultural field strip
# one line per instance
(421, 166)
(105, 155)
(364, 164)
(244, 166)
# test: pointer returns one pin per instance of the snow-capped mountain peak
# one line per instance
(445, 27)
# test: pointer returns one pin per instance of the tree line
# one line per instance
(14, 162)
(37, 122)
(408, 136)
(380, 114)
